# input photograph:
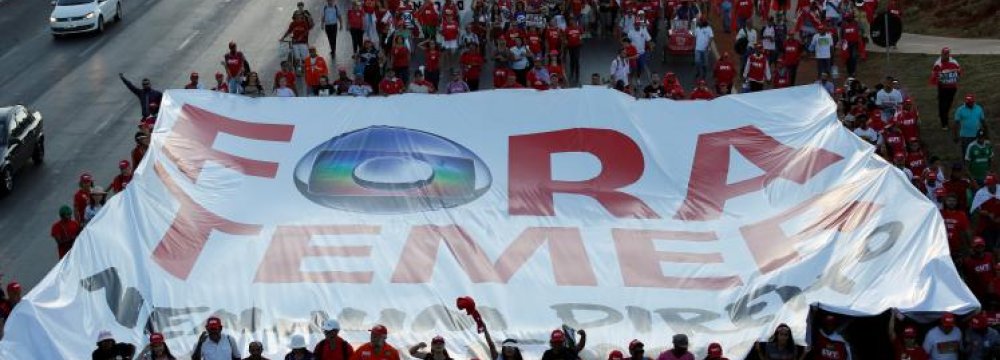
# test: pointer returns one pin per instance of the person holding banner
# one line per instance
(377, 348)
(679, 351)
(907, 348)
(559, 349)
(438, 351)
(944, 342)
(156, 350)
(332, 347)
(781, 346)
(214, 345)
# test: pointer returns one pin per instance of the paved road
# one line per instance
(90, 117)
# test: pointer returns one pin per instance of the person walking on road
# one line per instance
(945, 75)
(146, 95)
(703, 44)
(822, 45)
(237, 67)
(82, 196)
(969, 121)
(332, 22)
(65, 231)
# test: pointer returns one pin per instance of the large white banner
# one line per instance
(584, 207)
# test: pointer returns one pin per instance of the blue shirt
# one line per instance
(969, 120)
(331, 14)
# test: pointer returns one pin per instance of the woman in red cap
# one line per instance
(121, 180)
(156, 349)
(437, 351)
(907, 347)
(559, 349)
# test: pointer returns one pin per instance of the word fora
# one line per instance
(531, 193)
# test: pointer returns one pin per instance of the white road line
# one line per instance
(188, 40)
(90, 48)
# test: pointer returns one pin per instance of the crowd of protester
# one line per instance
(528, 43)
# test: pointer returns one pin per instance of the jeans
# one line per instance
(727, 8)
(852, 59)
(356, 36)
(701, 63)
(946, 97)
(574, 64)
(234, 84)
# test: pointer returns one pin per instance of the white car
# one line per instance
(77, 16)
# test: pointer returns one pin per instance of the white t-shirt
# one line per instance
(619, 70)
(639, 38)
(284, 92)
(751, 36)
(885, 99)
(520, 60)
(941, 346)
(823, 45)
(225, 349)
(868, 134)
(768, 38)
(982, 195)
(702, 37)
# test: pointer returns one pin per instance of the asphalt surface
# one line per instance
(90, 116)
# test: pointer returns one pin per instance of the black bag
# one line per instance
(741, 45)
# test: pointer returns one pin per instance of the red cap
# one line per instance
(85, 177)
(948, 319)
(635, 343)
(932, 175)
(715, 350)
(123, 164)
(213, 323)
(939, 192)
(13, 286)
(978, 241)
(978, 322)
(876, 115)
(909, 332)
(970, 97)
(669, 74)
(990, 179)
(379, 330)
(839, 90)
(616, 355)
(946, 50)
(554, 52)
(908, 100)
(702, 82)
(913, 139)
(156, 338)
(437, 340)
(557, 336)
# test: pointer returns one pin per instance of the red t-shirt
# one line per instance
(556, 70)
(234, 63)
(322, 351)
(449, 31)
(65, 233)
(908, 122)
(472, 65)
(632, 53)
(792, 53)
(553, 38)
(781, 80)
(391, 86)
(500, 77)
(400, 56)
(369, 6)
(433, 58)
(743, 8)
(827, 349)
(429, 16)
(916, 162)
(724, 72)
(535, 43)
(758, 68)
(902, 353)
(119, 183)
(289, 78)
(960, 188)
(946, 74)
(702, 94)
(896, 143)
(574, 36)
(956, 224)
(80, 200)
(978, 273)
(300, 31)
(355, 19)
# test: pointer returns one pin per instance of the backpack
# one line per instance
(741, 45)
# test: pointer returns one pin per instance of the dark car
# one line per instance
(21, 139)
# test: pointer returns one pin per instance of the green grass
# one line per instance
(952, 18)
(913, 71)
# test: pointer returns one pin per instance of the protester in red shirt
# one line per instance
(400, 58)
(512, 83)
(236, 66)
(894, 141)
(757, 71)
(702, 92)
(574, 40)
(377, 348)
(356, 26)
(82, 196)
(553, 37)
(742, 12)
(977, 270)
(500, 75)
(791, 56)
(945, 75)
(781, 78)
(915, 159)
(472, 66)
(429, 19)
(851, 35)
(299, 31)
(908, 119)
(960, 184)
(288, 74)
(332, 347)
(220, 83)
(65, 230)
(724, 74)
(907, 348)
(121, 180)
(390, 84)
(831, 345)
(672, 86)
(956, 223)
(432, 62)
(437, 350)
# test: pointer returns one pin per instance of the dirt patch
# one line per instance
(954, 18)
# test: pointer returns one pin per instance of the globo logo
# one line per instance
(391, 170)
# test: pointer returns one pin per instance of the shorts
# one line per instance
(300, 51)
(450, 44)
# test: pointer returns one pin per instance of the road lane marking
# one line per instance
(90, 48)
(188, 40)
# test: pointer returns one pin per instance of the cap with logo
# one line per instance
(379, 330)
(156, 338)
(86, 177)
(978, 242)
(557, 336)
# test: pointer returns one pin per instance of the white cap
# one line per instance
(331, 324)
(104, 335)
(298, 342)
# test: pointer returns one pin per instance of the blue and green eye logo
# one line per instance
(391, 170)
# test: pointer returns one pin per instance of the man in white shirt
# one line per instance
(639, 37)
(619, 68)
(889, 98)
(985, 193)
(822, 44)
(944, 342)
(703, 38)
(214, 345)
